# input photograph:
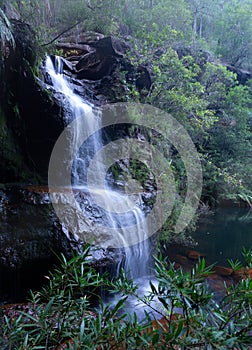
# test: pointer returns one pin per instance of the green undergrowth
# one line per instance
(69, 312)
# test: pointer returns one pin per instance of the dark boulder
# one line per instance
(201, 57)
(242, 75)
(102, 60)
(111, 46)
(95, 69)
(143, 80)
(88, 61)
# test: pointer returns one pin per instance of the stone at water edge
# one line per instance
(243, 272)
(222, 270)
(194, 255)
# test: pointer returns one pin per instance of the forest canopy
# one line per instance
(223, 27)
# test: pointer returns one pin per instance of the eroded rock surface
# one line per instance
(30, 238)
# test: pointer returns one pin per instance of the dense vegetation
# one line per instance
(63, 316)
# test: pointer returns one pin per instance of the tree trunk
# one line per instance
(201, 25)
(195, 16)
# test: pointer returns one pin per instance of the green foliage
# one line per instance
(63, 313)
(167, 234)
(235, 265)
(233, 32)
(141, 16)
(229, 141)
(209, 102)
(213, 107)
(247, 255)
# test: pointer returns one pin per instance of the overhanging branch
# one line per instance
(64, 31)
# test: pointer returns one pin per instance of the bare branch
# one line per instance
(64, 31)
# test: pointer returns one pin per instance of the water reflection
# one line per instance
(222, 235)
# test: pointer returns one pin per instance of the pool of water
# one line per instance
(222, 235)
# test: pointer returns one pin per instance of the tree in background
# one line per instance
(233, 29)
(226, 27)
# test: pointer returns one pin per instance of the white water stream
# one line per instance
(137, 262)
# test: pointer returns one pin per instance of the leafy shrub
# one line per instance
(63, 315)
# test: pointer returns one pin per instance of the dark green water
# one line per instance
(223, 234)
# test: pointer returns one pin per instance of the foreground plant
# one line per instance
(69, 313)
(62, 315)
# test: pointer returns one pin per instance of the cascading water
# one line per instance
(136, 262)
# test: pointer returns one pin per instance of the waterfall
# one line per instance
(136, 262)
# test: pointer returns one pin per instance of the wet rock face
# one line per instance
(30, 238)
(29, 227)
(100, 62)
(31, 118)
